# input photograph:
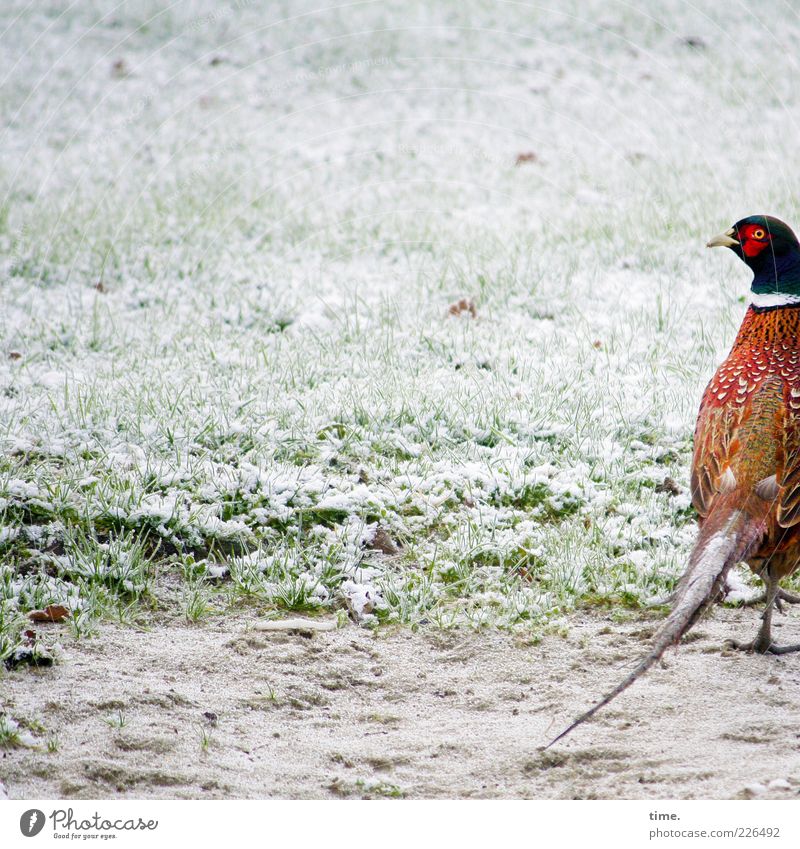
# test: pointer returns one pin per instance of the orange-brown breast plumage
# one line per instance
(748, 431)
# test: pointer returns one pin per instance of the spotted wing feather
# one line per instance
(715, 445)
(789, 506)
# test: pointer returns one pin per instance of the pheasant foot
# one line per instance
(763, 642)
(758, 646)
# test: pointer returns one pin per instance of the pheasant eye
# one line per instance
(759, 234)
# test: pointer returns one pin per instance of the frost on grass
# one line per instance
(227, 358)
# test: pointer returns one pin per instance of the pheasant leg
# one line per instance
(763, 642)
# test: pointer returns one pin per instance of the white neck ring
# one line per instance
(773, 299)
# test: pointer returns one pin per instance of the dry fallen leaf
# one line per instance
(51, 613)
(695, 42)
(383, 542)
(669, 486)
(120, 69)
(461, 306)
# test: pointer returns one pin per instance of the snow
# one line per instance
(227, 265)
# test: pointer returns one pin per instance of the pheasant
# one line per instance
(745, 479)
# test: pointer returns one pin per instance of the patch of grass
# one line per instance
(205, 738)
(538, 498)
(12, 735)
(197, 601)
(379, 789)
(117, 720)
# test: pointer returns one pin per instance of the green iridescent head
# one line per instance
(770, 248)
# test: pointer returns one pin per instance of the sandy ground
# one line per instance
(221, 710)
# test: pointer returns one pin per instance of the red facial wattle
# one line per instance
(753, 239)
(753, 247)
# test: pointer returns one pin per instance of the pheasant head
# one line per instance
(771, 250)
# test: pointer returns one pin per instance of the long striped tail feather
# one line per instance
(727, 537)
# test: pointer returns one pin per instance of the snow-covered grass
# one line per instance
(229, 241)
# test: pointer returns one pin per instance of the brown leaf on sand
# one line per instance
(461, 306)
(51, 613)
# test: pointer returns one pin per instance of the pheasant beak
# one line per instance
(724, 240)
